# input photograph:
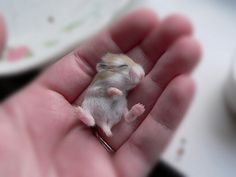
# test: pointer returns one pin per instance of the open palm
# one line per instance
(40, 134)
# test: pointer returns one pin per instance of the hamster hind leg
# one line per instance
(136, 111)
(106, 129)
(85, 117)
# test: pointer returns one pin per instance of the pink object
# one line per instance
(15, 54)
(136, 111)
(112, 91)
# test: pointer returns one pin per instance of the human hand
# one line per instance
(40, 134)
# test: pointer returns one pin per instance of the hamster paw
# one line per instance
(107, 130)
(112, 91)
(137, 109)
(85, 117)
(136, 74)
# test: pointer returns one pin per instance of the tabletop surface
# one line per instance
(205, 144)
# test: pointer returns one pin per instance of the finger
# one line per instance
(123, 36)
(2, 34)
(180, 59)
(81, 147)
(160, 39)
(147, 54)
(147, 143)
(73, 73)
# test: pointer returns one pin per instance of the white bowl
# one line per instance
(41, 31)
(230, 87)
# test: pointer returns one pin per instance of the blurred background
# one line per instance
(39, 33)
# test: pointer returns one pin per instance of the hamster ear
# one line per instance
(101, 66)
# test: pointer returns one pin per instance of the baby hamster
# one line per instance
(105, 101)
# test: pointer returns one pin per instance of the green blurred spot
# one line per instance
(29, 55)
(51, 43)
(71, 26)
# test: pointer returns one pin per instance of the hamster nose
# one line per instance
(140, 71)
(136, 73)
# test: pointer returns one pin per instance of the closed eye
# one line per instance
(123, 66)
(102, 66)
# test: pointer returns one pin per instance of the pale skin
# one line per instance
(40, 134)
(112, 91)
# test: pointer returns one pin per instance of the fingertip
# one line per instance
(175, 101)
(177, 24)
(130, 30)
(181, 58)
(144, 13)
(163, 36)
(188, 48)
(190, 44)
(143, 17)
(183, 89)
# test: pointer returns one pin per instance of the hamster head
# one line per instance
(120, 63)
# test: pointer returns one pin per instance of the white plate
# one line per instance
(41, 31)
